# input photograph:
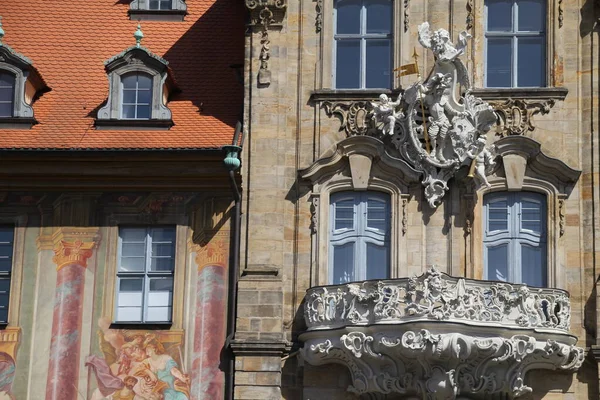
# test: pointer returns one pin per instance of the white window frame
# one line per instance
(122, 95)
(160, 3)
(8, 275)
(360, 235)
(363, 37)
(515, 235)
(515, 35)
(146, 275)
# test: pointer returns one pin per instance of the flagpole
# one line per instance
(425, 134)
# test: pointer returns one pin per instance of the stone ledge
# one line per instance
(544, 93)
(351, 94)
(256, 348)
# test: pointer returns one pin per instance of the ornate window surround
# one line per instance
(324, 25)
(554, 42)
(358, 163)
(140, 10)
(137, 59)
(526, 167)
(135, 217)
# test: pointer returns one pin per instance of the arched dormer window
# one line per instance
(139, 87)
(20, 85)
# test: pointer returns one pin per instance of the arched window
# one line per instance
(7, 94)
(359, 240)
(136, 96)
(515, 237)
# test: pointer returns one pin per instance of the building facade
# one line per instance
(436, 242)
(119, 193)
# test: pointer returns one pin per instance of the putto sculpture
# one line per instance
(437, 125)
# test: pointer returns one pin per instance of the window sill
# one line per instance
(142, 325)
(351, 94)
(541, 93)
(134, 124)
(17, 123)
(157, 15)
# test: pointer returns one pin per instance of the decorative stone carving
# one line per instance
(560, 14)
(435, 296)
(404, 216)
(515, 116)
(265, 14)
(433, 130)
(314, 214)
(561, 216)
(319, 16)
(354, 116)
(470, 15)
(440, 366)
(406, 15)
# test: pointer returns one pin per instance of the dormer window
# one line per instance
(139, 87)
(20, 85)
(162, 10)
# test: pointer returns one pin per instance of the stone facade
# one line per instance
(302, 141)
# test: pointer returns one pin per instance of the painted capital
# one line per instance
(73, 246)
(214, 252)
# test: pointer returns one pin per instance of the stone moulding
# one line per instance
(435, 296)
(440, 366)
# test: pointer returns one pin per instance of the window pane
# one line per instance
(532, 15)
(6, 109)
(129, 81)
(344, 214)
(143, 112)
(4, 285)
(343, 263)
(163, 249)
(499, 15)
(133, 314)
(4, 315)
(497, 263)
(5, 264)
(531, 70)
(132, 264)
(533, 268)
(7, 80)
(144, 96)
(133, 234)
(6, 235)
(166, 234)
(6, 94)
(531, 216)
(130, 292)
(161, 292)
(347, 71)
(129, 96)
(378, 63)
(133, 250)
(499, 56)
(377, 215)
(129, 112)
(154, 4)
(162, 264)
(379, 16)
(158, 314)
(144, 82)
(377, 262)
(498, 216)
(6, 250)
(348, 16)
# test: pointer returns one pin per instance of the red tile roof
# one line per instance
(69, 41)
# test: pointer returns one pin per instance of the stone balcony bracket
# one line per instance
(439, 337)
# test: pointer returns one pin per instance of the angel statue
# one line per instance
(439, 42)
(483, 161)
(385, 113)
(436, 98)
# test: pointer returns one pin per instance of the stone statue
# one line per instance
(385, 113)
(439, 42)
(483, 161)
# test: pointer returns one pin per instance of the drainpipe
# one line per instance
(232, 163)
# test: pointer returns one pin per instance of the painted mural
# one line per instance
(138, 365)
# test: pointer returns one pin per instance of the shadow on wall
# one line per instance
(201, 61)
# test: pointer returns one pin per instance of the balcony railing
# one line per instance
(439, 297)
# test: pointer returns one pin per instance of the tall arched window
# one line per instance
(359, 240)
(136, 96)
(515, 237)
(7, 94)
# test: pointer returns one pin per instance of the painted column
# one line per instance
(71, 253)
(210, 322)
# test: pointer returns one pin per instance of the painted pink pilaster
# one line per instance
(65, 346)
(207, 379)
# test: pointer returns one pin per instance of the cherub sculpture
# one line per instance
(483, 160)
(385, 113)
(439, 42)
(435, 93)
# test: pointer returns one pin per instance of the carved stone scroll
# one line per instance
(353, 116)
(515, 116)
(561, 216)
(319, 16)
(470, 14)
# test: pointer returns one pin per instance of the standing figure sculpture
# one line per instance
(385, 113)
(439, 42)
(482, 161)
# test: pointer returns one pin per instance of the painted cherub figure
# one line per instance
(385, 112)
(436, 94)
(439, 42)
(483, 159)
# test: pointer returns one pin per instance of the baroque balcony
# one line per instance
(439, 337)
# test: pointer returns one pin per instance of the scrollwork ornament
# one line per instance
(560, 14)
(406, 15)
(470, 16)
(561, 216)
(515, 116)
(319, 16)
(314, 210)
(404, 216)
(353, 116)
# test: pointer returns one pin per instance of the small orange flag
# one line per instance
(407, 69)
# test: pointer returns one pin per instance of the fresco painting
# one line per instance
(138, 365)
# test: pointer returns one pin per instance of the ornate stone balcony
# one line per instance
(439, 337)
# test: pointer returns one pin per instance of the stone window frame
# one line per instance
(137, 60)
(327, 48)
(181, 266)
(358, 163)
(524, 167)
(140, 10)
(554, 52)
(29, 85)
